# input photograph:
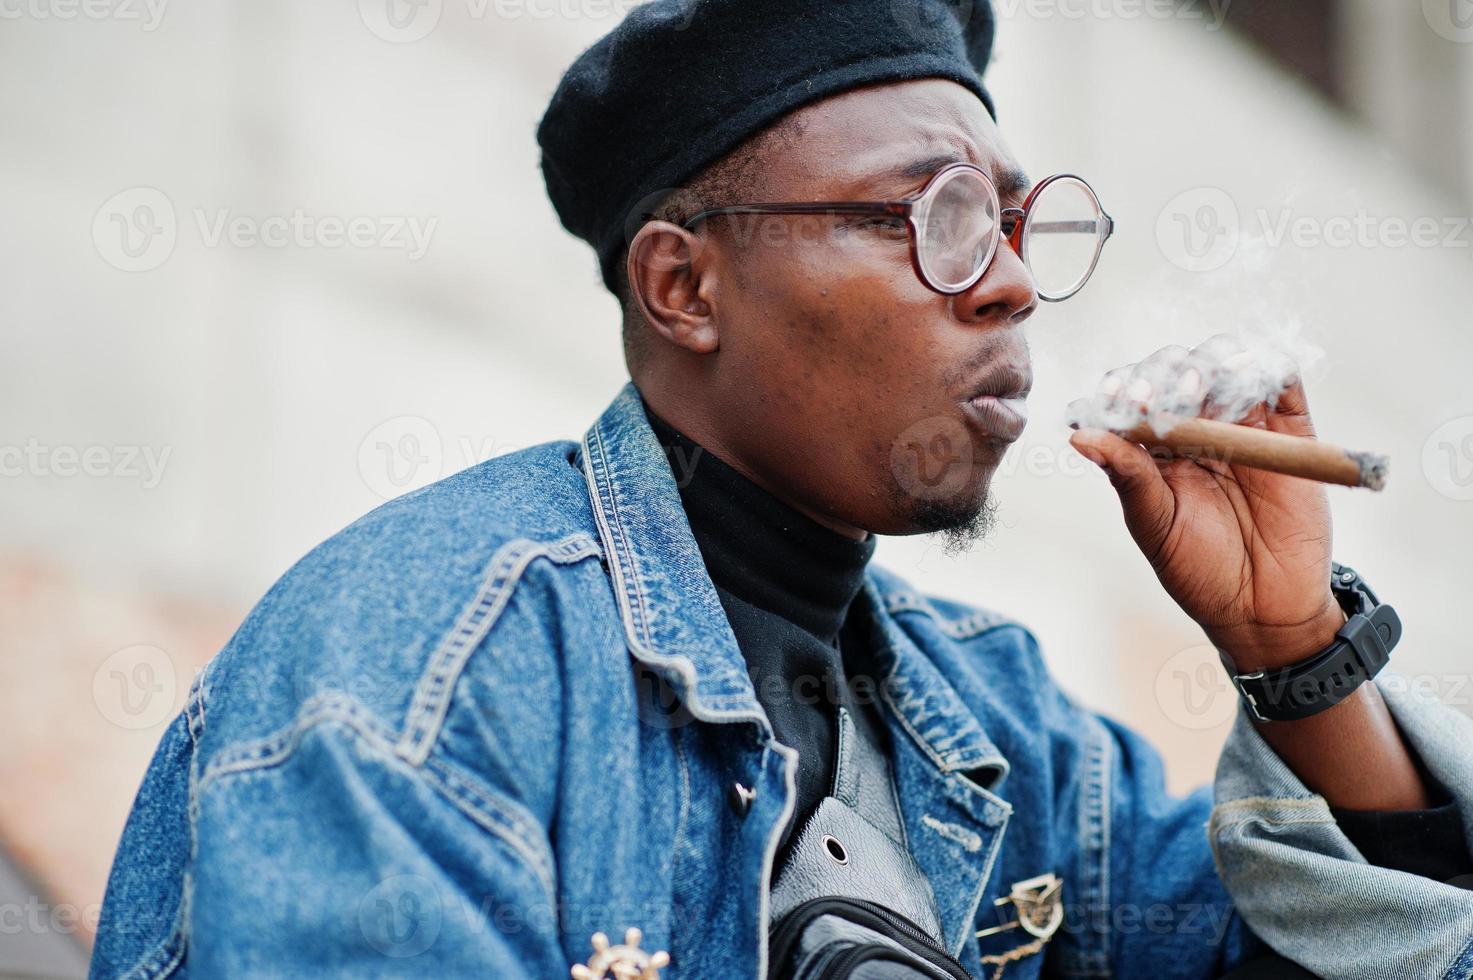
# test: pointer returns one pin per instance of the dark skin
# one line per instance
(808, 355)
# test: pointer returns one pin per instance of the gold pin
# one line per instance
(624, 962)
(1040, 913)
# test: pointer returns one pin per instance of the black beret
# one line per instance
(679, 84)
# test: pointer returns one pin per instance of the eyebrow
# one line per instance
(1010, 181)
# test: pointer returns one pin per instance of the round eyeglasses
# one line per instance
(956, 223)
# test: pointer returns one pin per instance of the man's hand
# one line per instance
(1247, 554)
(1244, 552)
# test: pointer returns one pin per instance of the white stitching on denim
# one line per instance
(276, 748)
(948, 761)
(633, 613)
(492, 811)
(165, 957)
(969, 840)
(629, 585)
(436, 686)
(1094, 818)
(1249, 809)
(978, 622)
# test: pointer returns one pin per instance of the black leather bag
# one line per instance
(850, 902)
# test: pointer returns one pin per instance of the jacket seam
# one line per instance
(482, 804)
(966, 762)
(1462, 968)
(1096, 814)
(968, 627)
(488, 808)
(1235, 813)
(434, 691)
(166, 955)
(609, 520)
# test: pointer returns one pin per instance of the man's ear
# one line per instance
(671, 280)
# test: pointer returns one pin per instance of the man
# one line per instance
(651, 681)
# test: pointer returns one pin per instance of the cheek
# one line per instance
(848, 339)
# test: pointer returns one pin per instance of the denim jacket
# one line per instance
(505, 712)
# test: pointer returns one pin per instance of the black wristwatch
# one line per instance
(1360, 649)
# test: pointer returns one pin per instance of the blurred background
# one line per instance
(268, 264)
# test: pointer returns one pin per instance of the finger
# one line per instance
(1145, 498)
(1291, 412)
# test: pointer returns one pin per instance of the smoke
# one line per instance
(1220, 378)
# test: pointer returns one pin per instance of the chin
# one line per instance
(964, 517)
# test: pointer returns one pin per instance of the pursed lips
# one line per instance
(998, 402)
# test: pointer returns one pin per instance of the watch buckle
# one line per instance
(1247, 696)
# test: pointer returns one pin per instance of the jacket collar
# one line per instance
(675, 625)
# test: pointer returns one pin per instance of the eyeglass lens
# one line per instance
(958, 227)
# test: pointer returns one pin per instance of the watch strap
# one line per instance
(1361, 648)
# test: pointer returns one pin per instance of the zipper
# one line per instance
(884, 921)
(841, 965)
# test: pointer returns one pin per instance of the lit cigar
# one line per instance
(1261, 449)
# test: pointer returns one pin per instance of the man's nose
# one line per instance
(1004, 294)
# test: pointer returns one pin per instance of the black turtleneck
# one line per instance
(787, 584)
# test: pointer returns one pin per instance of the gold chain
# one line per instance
(1001, 960)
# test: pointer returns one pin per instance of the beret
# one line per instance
(679, 84)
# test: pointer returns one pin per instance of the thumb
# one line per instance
(1146, 500)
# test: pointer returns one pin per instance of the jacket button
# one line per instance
(740, 798)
